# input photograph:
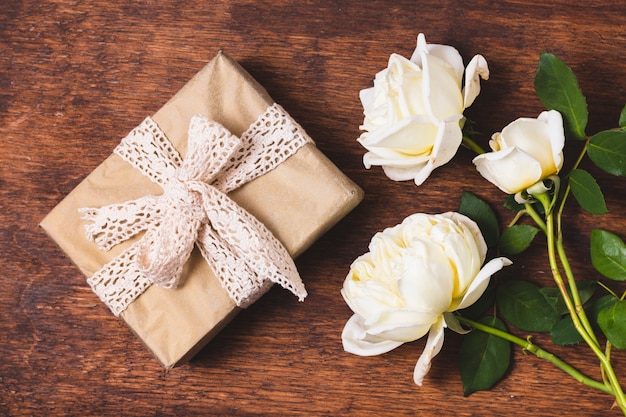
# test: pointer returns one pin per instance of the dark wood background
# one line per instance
(76, 76)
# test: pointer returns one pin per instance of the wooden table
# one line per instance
(75, 76)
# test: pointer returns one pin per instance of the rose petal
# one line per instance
(476, 69)
(446, 53)
(533, 137)
(511, 169)
(441, 89)
(557, 135)
(401, 325)
(369, 298)
(354, 339)
(447, 142)
(480, 283)
(432, 348)
(411, 136)
(426, 270)
(473, 228)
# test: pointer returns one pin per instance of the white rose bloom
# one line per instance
(414, 112)
(414, 274)
(524, 153)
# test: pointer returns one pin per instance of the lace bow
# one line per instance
(194, 210)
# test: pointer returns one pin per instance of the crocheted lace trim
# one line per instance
(195, 211)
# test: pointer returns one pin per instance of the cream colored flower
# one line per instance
(414, 112)
(413, 275)
(524, 153)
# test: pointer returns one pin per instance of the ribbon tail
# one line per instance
(119, 282)
(112, 224)
(235, 276)
(240, 236)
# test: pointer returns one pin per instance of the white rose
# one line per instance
(414, 112)
(524, 153)
(414, 274)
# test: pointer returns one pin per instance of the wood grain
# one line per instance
(75, 76)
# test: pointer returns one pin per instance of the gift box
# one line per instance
(297, 201)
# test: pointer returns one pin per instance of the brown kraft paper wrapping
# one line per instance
(298, 202)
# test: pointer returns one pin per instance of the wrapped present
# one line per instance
(199, 210)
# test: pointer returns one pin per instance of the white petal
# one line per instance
(400, 173)
(476, 69)
(432, 348)
(354, 339)
(446, 53)
(427, 280)
(473, 228)
(402, 326)
(542, 138)
(367, 96)
(557, 135)
(480, 283)
(441, 89)
(409, 137)
(449, 138)
(510, 169)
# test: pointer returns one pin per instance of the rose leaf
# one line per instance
(586, 289)
(607, 150)
(557, 88)
(587, 192)
(484, 358)
(608, 254)
(517, 238)
(479, 211)
(523, 305)
(612, 321)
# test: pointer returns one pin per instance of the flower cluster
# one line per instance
(419, 275)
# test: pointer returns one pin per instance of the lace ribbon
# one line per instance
(194, 210)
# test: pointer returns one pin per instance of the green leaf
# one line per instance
(622, 117)
(516, 239)
(608, 254)
(586, 289)
(484, 358)
(479, 211)
(612, 321)
(557, 88)
(587, 192)
(564, 332)
(607, 150)
(526, 307)
(513, 205)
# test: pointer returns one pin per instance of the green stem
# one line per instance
(562, 255)
(607, 289)
(473, 145)
(529, 346)
(518, 216)
(605, 360)
(574, 290)
(576, 310)
(533, 214)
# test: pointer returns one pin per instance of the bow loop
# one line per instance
(210, 146)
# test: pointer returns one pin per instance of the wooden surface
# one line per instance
(76, 76)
